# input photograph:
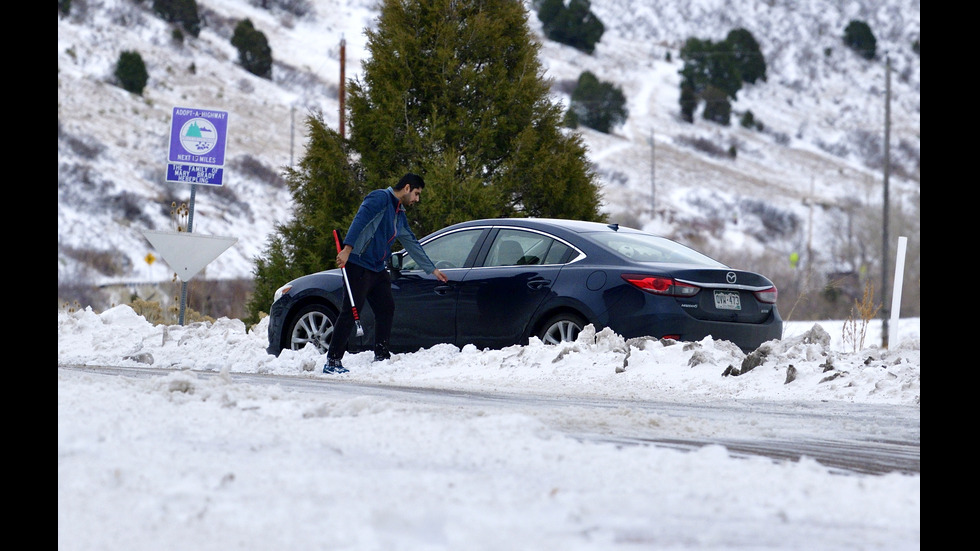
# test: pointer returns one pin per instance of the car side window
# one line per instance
(447, 251)
(557, 253)
(523, 248)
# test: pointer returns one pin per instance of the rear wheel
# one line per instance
(313, 324)
(561, 328)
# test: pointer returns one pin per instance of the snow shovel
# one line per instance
(350, 294)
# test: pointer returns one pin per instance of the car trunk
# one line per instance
(726, 295)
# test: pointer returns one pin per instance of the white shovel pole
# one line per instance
(350, 294)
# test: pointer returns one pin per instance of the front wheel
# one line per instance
(561, 328)
(313, 324)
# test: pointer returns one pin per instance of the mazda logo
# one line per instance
(730, 277)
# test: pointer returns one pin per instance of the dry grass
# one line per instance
(206, 300)
(855, 329)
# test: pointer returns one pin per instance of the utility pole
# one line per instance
(343, 59)
(653, 180)
(809, 233)
(884, 223)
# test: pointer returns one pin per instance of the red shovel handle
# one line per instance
(350, 294)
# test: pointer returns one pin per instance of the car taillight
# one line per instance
(659, 285)
(767, 295)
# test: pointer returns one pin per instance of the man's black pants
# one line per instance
(376, 288)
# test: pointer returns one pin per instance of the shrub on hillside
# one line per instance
(713, 72)
(688, 101)
(717, 108)
(858, 37)
(106, 263)
(295, 7)
(776, 222)
(596, 104)
(702, 144)
(747, 120)
(711, 75)
(250, 166)
(748, 56)
(181, 12)
(254, 52)
(574, 24)
(131, 72)
(85, 147)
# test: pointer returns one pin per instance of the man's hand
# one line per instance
(439, 275)
(342, 255)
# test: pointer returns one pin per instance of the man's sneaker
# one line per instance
(381, 353)
(334, 366)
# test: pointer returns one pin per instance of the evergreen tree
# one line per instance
(748, 120)
(858, 37)
(748, 56)
(717, 108)
(453, 91)
(694, 73)
(571, 119)
(688, 101)
(254, 52)
(708, 63)
(131, 72)
(326, 188)
(549, 10)
(574, 25)
(596, 104)
(182, 12)
(712, 73)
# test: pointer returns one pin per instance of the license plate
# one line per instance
(727, 300)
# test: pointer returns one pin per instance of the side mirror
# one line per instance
(395, 264)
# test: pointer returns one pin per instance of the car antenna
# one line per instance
(614, 226)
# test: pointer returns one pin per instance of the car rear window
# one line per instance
(651, 248)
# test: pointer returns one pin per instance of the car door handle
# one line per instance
(539, 283)
(442, 289)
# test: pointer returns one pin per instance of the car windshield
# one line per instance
(643, 247)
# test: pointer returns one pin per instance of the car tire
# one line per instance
(314, 324)
(561, 328)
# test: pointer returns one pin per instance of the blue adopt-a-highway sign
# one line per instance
(197, 146)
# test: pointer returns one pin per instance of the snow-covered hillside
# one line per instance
(819, 153)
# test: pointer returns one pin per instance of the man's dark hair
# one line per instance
(413, 181)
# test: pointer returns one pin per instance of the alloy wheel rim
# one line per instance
(314, 328)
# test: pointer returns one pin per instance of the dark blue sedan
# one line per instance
(514, 278)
